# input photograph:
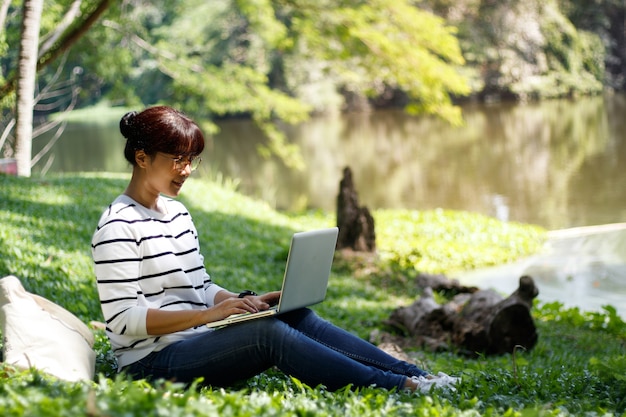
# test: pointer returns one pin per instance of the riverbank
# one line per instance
(582, 267)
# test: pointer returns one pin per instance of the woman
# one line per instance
(156, 295)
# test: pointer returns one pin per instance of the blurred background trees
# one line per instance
(281, 61)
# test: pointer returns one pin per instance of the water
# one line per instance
(559, 164)
(581, 267)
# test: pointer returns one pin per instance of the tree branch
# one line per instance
(4, 9)
(60, 47)
(73, 36)
(72, 14)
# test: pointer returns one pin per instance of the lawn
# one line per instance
(577, 367)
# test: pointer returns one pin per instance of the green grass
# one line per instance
(577, 367)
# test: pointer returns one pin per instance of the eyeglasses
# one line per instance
(181, 162)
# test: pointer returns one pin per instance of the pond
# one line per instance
(557, 164)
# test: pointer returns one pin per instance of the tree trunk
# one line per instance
(493, 325)
(52, 51)
(4, 8)
(356, 224)
(26, 79)
(479, 323)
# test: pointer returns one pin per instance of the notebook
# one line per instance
(306, 275)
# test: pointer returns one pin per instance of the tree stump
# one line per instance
(356, 224)
(479, 323)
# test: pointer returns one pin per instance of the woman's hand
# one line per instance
(160, 322)
(248, 304)
(264, 301)
(269, 299)
(232, 305)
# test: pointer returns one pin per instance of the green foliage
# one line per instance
(607, 320)
(446, 241)
(612, 369)
(366, 47)
(576, 368)
(530, 48)
(575, 58)
(31, 393)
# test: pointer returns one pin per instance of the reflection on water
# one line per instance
(554, 163)
(85, 147)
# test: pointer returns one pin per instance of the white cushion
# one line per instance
(40, 334)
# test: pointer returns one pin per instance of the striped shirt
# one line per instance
(144, 259)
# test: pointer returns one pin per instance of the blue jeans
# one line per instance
(299, 343)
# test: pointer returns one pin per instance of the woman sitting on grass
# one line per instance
(156, 295)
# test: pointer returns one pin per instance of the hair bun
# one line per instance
(127, 124)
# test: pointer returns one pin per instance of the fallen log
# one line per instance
(440, 282)
(482, 322)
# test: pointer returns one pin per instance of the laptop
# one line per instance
(306, 275)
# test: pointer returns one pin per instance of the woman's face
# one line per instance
(167, 173)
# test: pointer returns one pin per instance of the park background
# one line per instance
(512, 109)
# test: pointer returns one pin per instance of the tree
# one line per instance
(370, 47)
(207, 58)
(26, 75)
(78, 19)
(531, 49)
(31, 58)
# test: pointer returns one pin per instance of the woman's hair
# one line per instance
(160, 129)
